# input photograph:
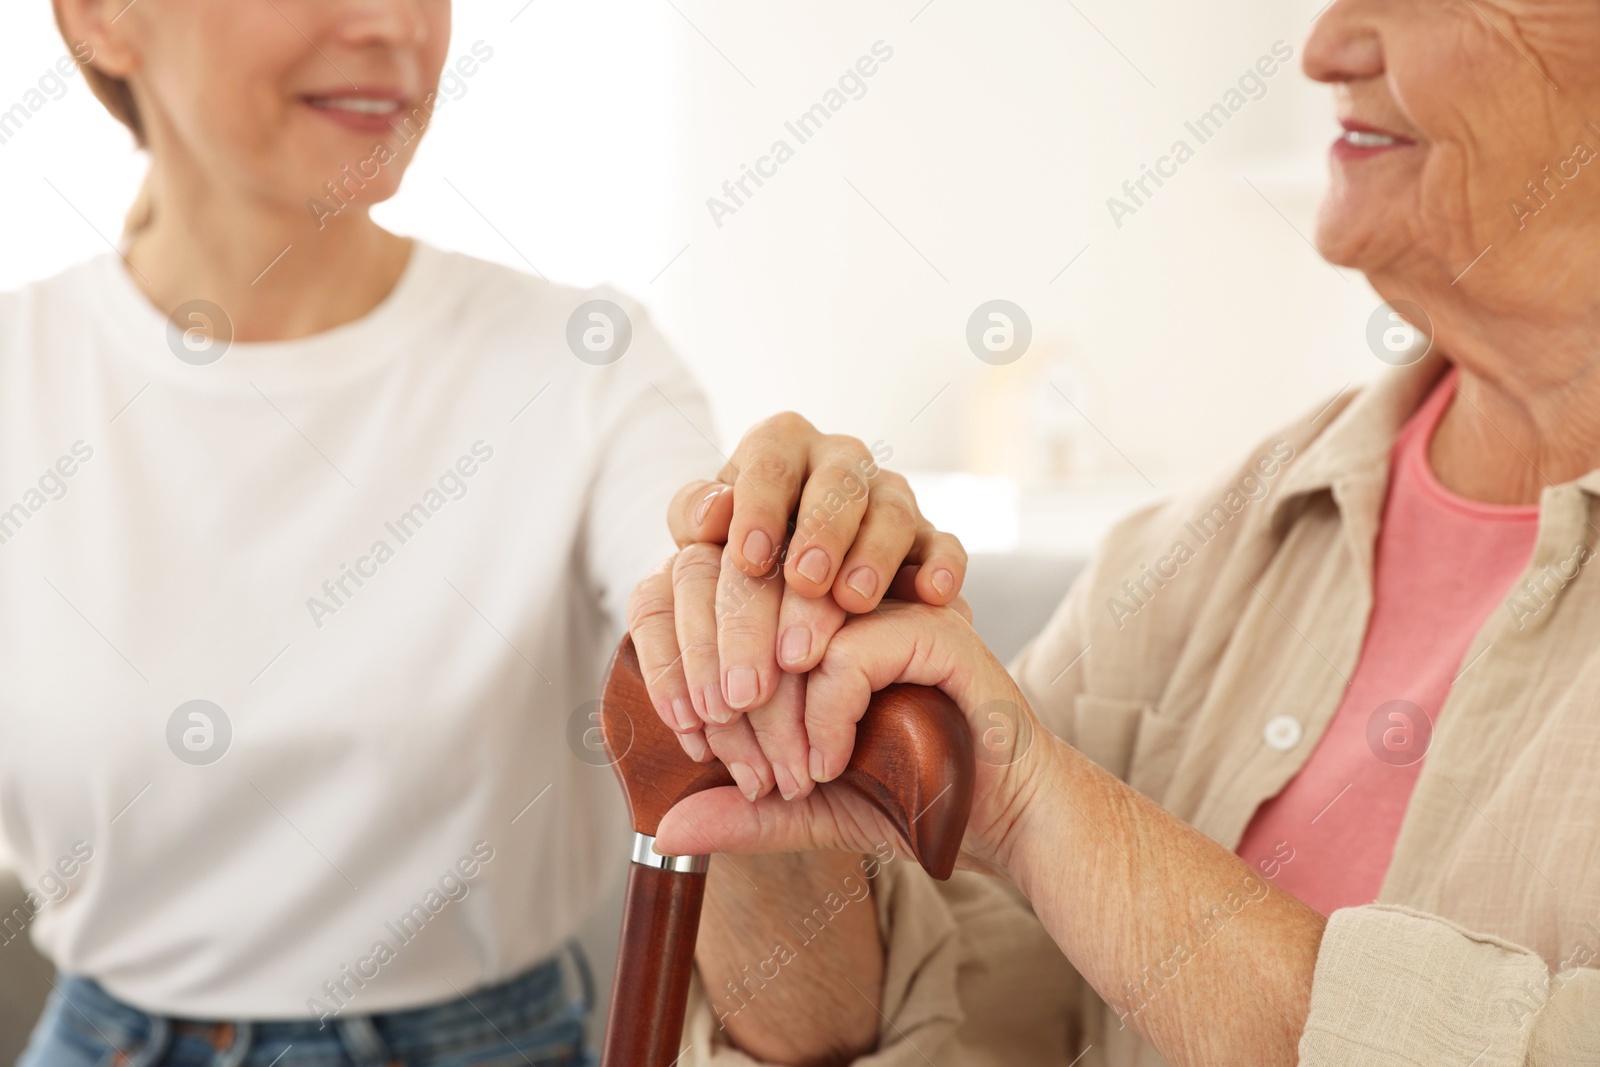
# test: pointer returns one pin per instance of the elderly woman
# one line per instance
(1303, 769)
(321, 536)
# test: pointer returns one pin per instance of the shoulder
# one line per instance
(596, 326)
(1210, 517)
(1158, 574)
(509, 294)
(594, 352)
(32, 313)
(1196, 533)
(72, 284)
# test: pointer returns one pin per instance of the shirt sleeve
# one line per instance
(1398, 988)
(658, 435)
(951, 994)
(1051, 668)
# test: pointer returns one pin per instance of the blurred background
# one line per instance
(975, 164)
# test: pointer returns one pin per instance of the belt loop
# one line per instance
(244, 1037)
(580, 963)
(363, 1042)
(155, 1047)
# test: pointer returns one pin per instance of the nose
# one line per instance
(1344, 45)
(394, 23)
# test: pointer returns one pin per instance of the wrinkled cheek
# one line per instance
(1482, 147)
(1452, 203)
(1481, 180)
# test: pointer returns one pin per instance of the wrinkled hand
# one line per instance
(747, 604)
(901, 642)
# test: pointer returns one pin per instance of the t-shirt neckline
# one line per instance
(140, 329)
(1412, 453)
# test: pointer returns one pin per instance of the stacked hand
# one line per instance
(777, 707)
(762, 648)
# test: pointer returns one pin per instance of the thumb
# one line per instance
(722, 820)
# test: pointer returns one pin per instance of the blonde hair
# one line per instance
(117, 96)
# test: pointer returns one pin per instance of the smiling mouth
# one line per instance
(360, 105)
(1371, 139)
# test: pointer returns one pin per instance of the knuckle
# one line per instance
(697, 562)
(767, 469)
(891, 480)
(721, 743)
(816, 524)
(699, 650)
(789, 423)
(656, 586)
(951, 544)
(645, 607)
(851, 450)
(842, 659)
(895, 510)
(742, 624)
(839, 474)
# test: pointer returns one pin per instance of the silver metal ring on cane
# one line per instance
(644, 853)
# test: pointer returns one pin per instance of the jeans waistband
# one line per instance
(561, 985)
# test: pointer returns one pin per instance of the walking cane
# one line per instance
(913, 759)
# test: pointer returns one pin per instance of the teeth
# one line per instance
(1367, 139)
(361, 104)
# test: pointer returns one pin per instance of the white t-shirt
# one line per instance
(395, 556)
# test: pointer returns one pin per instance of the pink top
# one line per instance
(1443, 565)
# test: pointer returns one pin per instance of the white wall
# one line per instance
(990, 141)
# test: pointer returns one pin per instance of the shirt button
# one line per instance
(1283, 732)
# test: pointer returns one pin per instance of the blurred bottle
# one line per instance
(1029, 420)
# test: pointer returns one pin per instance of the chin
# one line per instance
(1339, 238)
(1354, 232)
(340, 181)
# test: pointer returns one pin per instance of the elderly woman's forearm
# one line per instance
(790, 956)
(1189, 945)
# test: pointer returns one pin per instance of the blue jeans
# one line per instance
(528, 1020)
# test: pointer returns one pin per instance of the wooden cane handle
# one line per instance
(913, 760)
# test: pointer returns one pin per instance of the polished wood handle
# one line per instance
(913, 760)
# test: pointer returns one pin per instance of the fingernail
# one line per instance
(684, 714)
(694, 745)
(863, 580)
(757, 548)
(714, 707)
(705, 505)
(796, 644)
(786, 784)
(746, 779)
(814, 565)
(943, 582)
(742, 687)
(817, 769)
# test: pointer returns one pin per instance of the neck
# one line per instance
(276, 271)
(1527, 411)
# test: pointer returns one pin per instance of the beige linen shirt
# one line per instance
(1200, 659)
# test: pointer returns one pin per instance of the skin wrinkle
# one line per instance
(1112, 876)
(1512, 27)
(1481, 140)
(1451, 165)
